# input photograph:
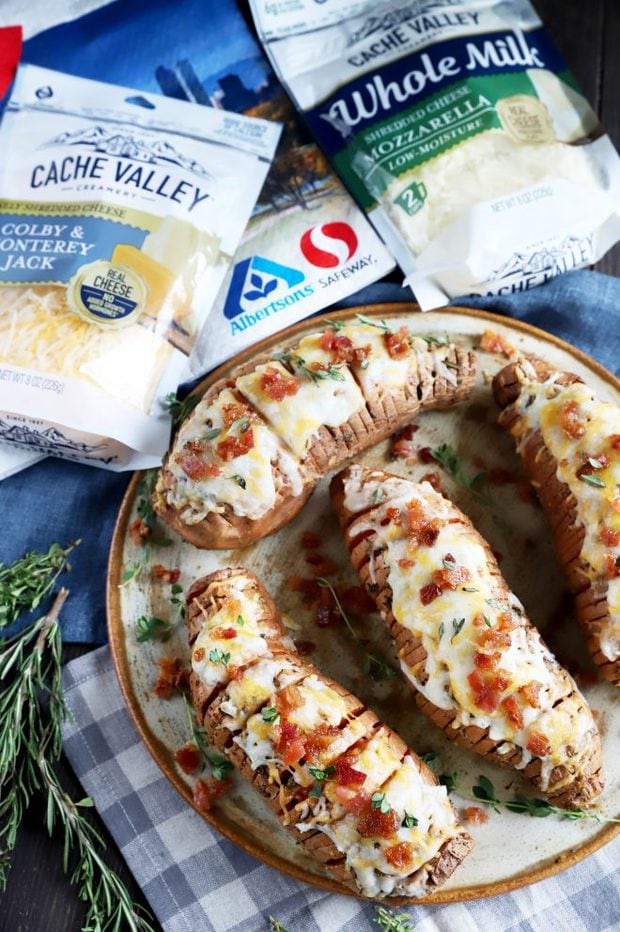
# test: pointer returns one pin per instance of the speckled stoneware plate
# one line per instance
(511, 849)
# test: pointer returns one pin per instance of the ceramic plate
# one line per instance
(511, 849)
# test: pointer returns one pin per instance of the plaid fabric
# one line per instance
(197, 881)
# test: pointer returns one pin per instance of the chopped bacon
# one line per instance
(310, 540)
(294, 752)
(612, 564)
(326, 341)
(356, 600)
(425, 455)
(400, 856)
(139, 531)
(531, 693)
(199, 654)
(538, 744)
(398, 343)
(512, 710)
(169, 576)
(206, 791)
(278, 386)
(377, 824)
(234, 411)
(226, 634)
(393, 514)
(498, 636)
(451, 578)
(354, 804)
(195, 467)
(486, 689)
(609, 537)
(614, 441)
(233, 445)
(318, 740)
(492, 342)
(405, 563)
(346, 775)
(172, 676)
(588, 469)
(475, 815)
(286, 701)
(402, 443)
(570, 421)
(288, 741)
(429, 593)
(188, 758)
(434, 479)
(322, 566)
(487, 661)
(309, 588)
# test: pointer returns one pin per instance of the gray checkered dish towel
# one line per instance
(197, 881)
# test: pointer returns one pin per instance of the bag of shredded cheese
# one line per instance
(10, 50)
(119, 214)
(458, 127)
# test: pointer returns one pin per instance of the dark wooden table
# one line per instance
(39, 897)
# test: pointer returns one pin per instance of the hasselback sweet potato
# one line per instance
(347, 787)
(247, 458)
(569, 443)
(477, 666)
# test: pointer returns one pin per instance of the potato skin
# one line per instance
(573, 790)
(561, 510)
(381, 417)
(210, 591)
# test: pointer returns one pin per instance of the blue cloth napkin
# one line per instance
(58, 501)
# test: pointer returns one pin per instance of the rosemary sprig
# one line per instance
(484, 792)
(373, 664)
(390, 921)
(25, 583)
(179, 410)
(219, 765)
(32, 709)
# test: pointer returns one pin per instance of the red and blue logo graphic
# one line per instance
(329, 245)
(257, 280)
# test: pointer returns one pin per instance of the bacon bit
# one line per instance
(294, 752)
(538, 744)
(400, 856)
(195, 467)
(305, 648)
(354, 804)
(614, 441)
(512, 711)
(139, 531)
(310, 540)
(425, 455)
(325, 568)
(276, 385)
(172, 676)
(393, 514)
(206, 791)
(377, 824)
(405, 563)
(429, 532)
(530, 693)
(286, 701)
(588, 469)
(346, 775)
(309, 588)
(188, 758)
(613, 569)
(233, 446)
(326, 340)
(492, 342)
(198, 654)
(284, 732)
(235, 410)
(609, 537)
(487, 661)
(356, 600)
(398, 343)
(317, 740)
(226, 634)
(434, 479)
(570, 421)
(169, 576)
(402, 443)
(499, 476)
(486, 696)
(451, 578)
(499, 636)
(314, 558)
(475, 815)
(342, 349)
(429, 593)
(524, 490)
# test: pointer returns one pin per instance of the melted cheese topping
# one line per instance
(247, 644)
(446, 626)
(540, 408)
(258, 682)
(297, 418)
(248, 484)
(406, 792)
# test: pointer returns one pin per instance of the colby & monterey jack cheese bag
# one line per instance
(457, 126)
(119, 214)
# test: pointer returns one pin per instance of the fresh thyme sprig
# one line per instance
(32, 709)
(179, 410)
(373, 322)
(484, 792)
(25, 583)
(447, 457)
(390, 921)
(373, 664)
(275, 925)
(147, 517)
(218, 764)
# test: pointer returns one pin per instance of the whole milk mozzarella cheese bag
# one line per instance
(459, 129)
(119, 214)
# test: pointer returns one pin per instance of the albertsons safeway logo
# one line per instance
(260, 287)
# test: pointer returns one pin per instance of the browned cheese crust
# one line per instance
(568, 787)
(561, 510)
(383, 415)
(283, 794)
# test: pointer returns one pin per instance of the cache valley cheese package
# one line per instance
(10, 50)
(119, 214)
(459, 129)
